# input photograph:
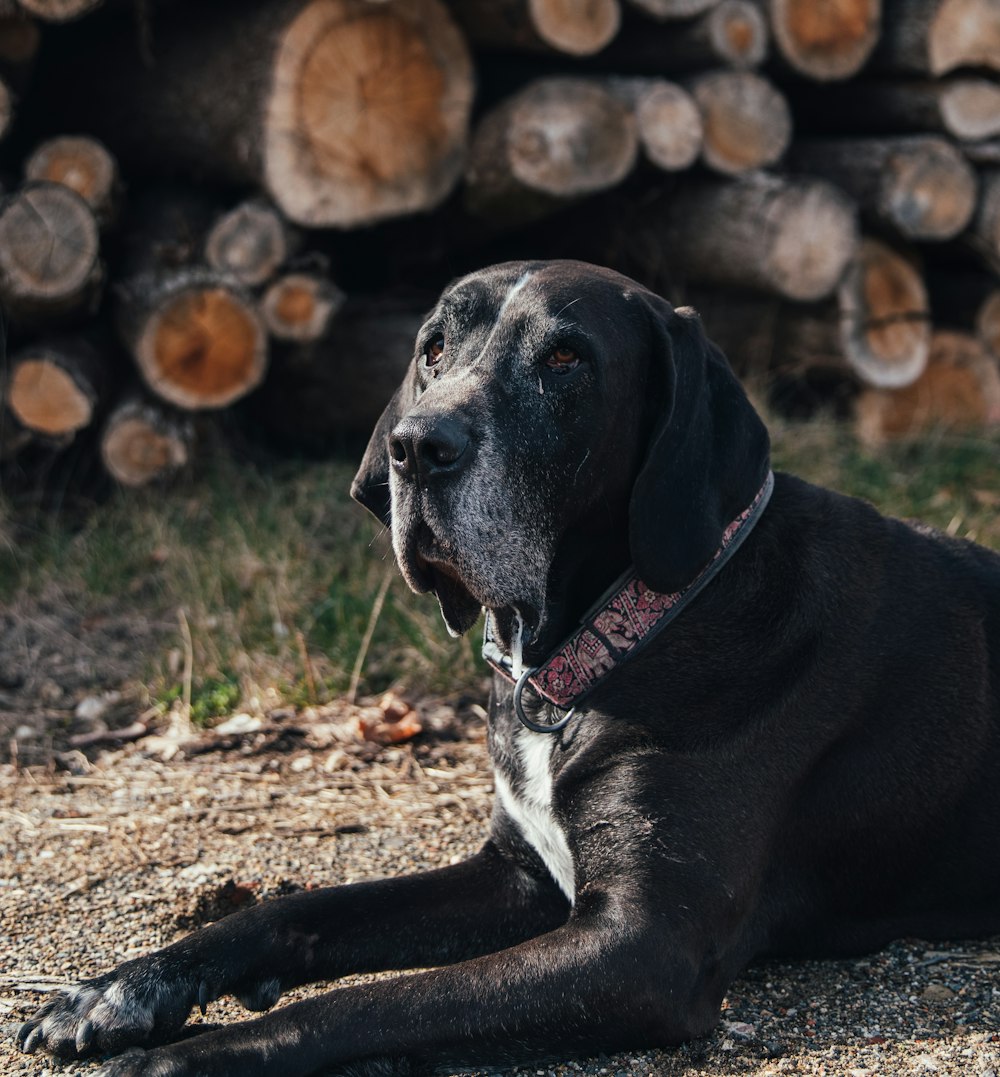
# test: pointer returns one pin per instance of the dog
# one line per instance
(733, 716)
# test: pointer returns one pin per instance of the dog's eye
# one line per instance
(434, 351)
(562, 360)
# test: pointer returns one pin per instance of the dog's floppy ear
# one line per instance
(708, 453)
(371, 484)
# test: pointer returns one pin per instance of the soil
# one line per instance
(109, 853)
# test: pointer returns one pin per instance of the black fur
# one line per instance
(804, 763)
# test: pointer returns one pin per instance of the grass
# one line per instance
(276, 573)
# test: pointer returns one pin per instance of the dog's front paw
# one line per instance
(118, 1010)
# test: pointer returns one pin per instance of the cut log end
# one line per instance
(826, 40)
(569, 137)
(928, 190)
(46, 399)
(815, 239)
(669, 126)
(300, 307)
(574, 28)
(958, 390)
(738, 33)
(885, 330)
(964, 33)
(747, 124)
(250, 242)
(202, 347)
(970, 108)
(80, 163)
(59, 10)
(369, 111)
(140, 444)
(48, 244)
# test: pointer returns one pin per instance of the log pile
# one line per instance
(244, 208)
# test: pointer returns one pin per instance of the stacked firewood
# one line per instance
(246, 206)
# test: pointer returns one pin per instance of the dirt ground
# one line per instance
(110, 852)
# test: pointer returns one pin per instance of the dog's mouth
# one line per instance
(430, 564)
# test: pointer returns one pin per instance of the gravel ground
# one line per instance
(145, 842)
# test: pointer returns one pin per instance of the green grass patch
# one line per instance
(277, 574)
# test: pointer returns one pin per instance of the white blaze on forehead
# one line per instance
(521, 281)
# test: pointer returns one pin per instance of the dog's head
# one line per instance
(557, 421)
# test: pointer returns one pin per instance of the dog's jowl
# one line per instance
(733, 715)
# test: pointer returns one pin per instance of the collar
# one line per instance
(622, 621)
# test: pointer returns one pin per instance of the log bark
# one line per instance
(958, 390)
(300, 307)
(6, 109)
(963, 107)
(883, 314)
(792, 238)
(338, 386)
(826, 39)
(984, 231)
(143, 442)
(933, 37)
(194, 334)
(54, 387)
(59, 10)
(567, 26)
(347, 112)
(673, 9)
(50, 267)
(746, 121)
(920, 186)
(988, 324)
(83, 165)
(249, 242)
(667, 119)
(556, 140)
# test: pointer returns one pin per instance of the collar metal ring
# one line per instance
(536, 727)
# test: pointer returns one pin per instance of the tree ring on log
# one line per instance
(80, 163)
(929, 191)
(46, 399)
(202, 347)
(669, 126)
(738, 31)
(970, 108)
(569, 137)
(49, 243)
(964, 33)
(884, 311)
(826, 39)
(300, 306)
(574, 28)
(368, 112)
(816, 237)
(249, 241)
(746, 121)
(141, 444)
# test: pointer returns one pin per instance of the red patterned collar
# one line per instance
(615, 628)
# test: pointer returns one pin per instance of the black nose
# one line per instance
(429, 445)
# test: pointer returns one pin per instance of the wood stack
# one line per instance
(248, 206)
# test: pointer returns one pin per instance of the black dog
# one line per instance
(784, 736)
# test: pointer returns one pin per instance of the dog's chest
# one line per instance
(522, 767)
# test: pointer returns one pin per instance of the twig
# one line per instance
(109, 736)
(307, 666)
(359, 662)
(188, 664)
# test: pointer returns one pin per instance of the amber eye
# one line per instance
(434, 351)
(562, 360)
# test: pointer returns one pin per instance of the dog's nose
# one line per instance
(428, 446)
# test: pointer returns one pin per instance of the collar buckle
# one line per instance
(529, 723)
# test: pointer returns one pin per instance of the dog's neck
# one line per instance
(615, 627)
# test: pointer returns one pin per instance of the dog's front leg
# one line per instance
(604, 980)
(418, 921)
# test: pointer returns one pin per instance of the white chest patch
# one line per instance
(531, 807)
